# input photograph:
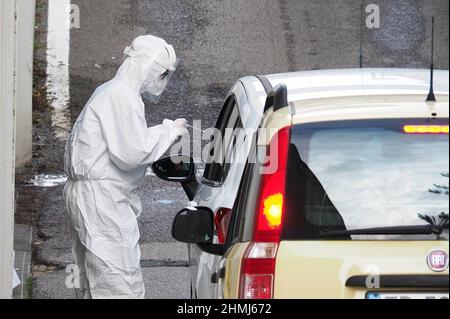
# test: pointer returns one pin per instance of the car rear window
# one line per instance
(367, 174)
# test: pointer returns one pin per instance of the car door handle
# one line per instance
(218, 275)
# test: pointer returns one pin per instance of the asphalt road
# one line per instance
(218, 41)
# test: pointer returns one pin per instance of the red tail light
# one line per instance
(258, 271)
(222, 221)
(258, 265)
(271, 198)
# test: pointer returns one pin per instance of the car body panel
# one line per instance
(308, 85)
(352, 108)
(204, 265)
(320, 269)
(253, 108)
(233, 270)
(273, 122)
(358, 108)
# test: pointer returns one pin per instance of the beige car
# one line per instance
(344, 193)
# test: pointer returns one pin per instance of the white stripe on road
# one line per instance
(58, 46)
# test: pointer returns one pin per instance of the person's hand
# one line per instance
(181, 123)
(168, 122)
(178, 127)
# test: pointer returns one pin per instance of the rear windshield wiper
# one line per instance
(396, 230)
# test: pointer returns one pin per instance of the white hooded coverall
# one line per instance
(107, 154)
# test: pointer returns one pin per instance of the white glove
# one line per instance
(177, 128)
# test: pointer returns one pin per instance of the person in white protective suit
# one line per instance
(107, 155)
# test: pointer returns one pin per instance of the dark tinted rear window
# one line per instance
(365, 174)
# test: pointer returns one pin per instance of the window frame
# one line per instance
(248, 190)
(213, 169)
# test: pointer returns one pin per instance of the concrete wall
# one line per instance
(24, 82)
(7, 158)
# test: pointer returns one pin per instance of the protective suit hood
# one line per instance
(149, 64)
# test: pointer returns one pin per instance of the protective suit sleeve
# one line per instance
(129, 141)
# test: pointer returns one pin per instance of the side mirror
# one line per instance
(194, 226)
(179, 168)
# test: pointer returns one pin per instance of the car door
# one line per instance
(218, 191)
(230, 261)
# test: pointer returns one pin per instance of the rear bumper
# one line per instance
(351, 269)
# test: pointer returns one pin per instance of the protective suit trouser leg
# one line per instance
(106, 236)
(91, 269)
(81, 282)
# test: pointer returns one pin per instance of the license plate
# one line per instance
(407, 295)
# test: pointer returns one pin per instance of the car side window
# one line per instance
(232, 148)
(215, 167)
(239, 212)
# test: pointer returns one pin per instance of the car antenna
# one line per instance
(361, 36)
(431, 97)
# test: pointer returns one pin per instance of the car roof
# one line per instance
(307, 85)
(349, 94)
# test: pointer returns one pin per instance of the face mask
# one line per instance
(154, 85)
(153, 99)
(152, 89)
